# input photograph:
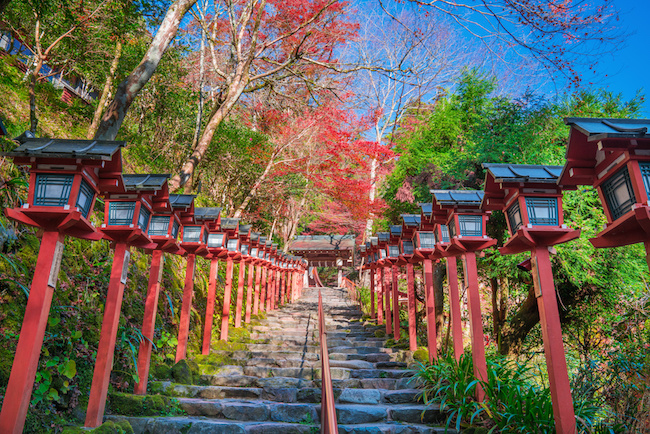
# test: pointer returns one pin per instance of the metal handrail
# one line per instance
(328, 421)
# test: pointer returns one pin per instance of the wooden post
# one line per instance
(432, 337)
(106, 348)
(373, 315)
(258, 277)
(549, 317)
(249, 293)
(32, 332)
(263, 307)
(186, 307)
(149, 322)
(387, 315)
(240, 293)
(283, 284)
(396, 331)
(209, 307)
(225, 313)
(454, 307)
(410, 295)
(475, 321)
(380, 297)
(269, 288)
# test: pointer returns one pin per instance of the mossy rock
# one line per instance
(421, 355)
(221, 358)
(380, 333)
(182, 372)
(108, 427)
(239, 334)
(220, 345)
(126, 404)
(161, 371)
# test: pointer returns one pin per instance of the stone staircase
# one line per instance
(274, 385)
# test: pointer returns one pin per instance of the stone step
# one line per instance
(291, 394)
(303, 372)
(262, 410)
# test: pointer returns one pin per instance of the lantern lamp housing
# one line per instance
(217, 240)
(424, 240)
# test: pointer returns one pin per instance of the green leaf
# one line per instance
(69, 369)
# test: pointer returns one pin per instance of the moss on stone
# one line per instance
(161, 371)
(380, 333)
(228, 346)
(142, 405)
(421, 355)
(108, 427)
(182, 372)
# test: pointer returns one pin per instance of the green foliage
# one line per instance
(126, 404)
(514, 400)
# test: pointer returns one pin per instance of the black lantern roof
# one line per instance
(66, 148)
(269, 243)
(362, 249)
(206, 213)
(275, 246)
(601, 128)
(262, 240)
(396, 230)
(427, 209)
(523, 173)
(144, 182)
(383, 237)
(255, 236)
(411, 220)
(374, 241)
(229, 224)
(181, 201)
(458, 197)
(245, 229)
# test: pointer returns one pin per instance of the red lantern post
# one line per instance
(194, 239)
(65, 177)
(424, 245)
(244, 244)
(231, 254)
(252, 261)
(466, 222)
(532, 202)
(217, 240)
(126, 222)
(163, 230)
(410, 224)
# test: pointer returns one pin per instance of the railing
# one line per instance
(319, 284)
(327, 411)
(353, 291)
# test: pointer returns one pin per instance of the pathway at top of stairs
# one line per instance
(274, 386)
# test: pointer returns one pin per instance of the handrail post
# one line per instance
(329, 424)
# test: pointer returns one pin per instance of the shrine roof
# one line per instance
(68, 148)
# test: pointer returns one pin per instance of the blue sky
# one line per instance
(627, 68)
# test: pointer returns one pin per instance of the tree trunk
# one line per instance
(106, 91)
(199, 113)
(33, 120)
(253, 192)
(371, 196)
(133, 84)
(515, 331)
(218, 115)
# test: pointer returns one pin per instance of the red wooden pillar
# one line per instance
(431, 310)
(380, 297)
(373, 315)
(396, 332)
(32, 332)
(475, 321)
(249, 293)
(263, 305)
(106, 348)
(240, 293)
(276, 289)
(258, 277)
(209, 307)
(225, 313)
(549, 318)
(283, 281)
(186, 307)
(410, 295)
(454, 307)
(149, 322)
(269, 284)
(387, 315)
